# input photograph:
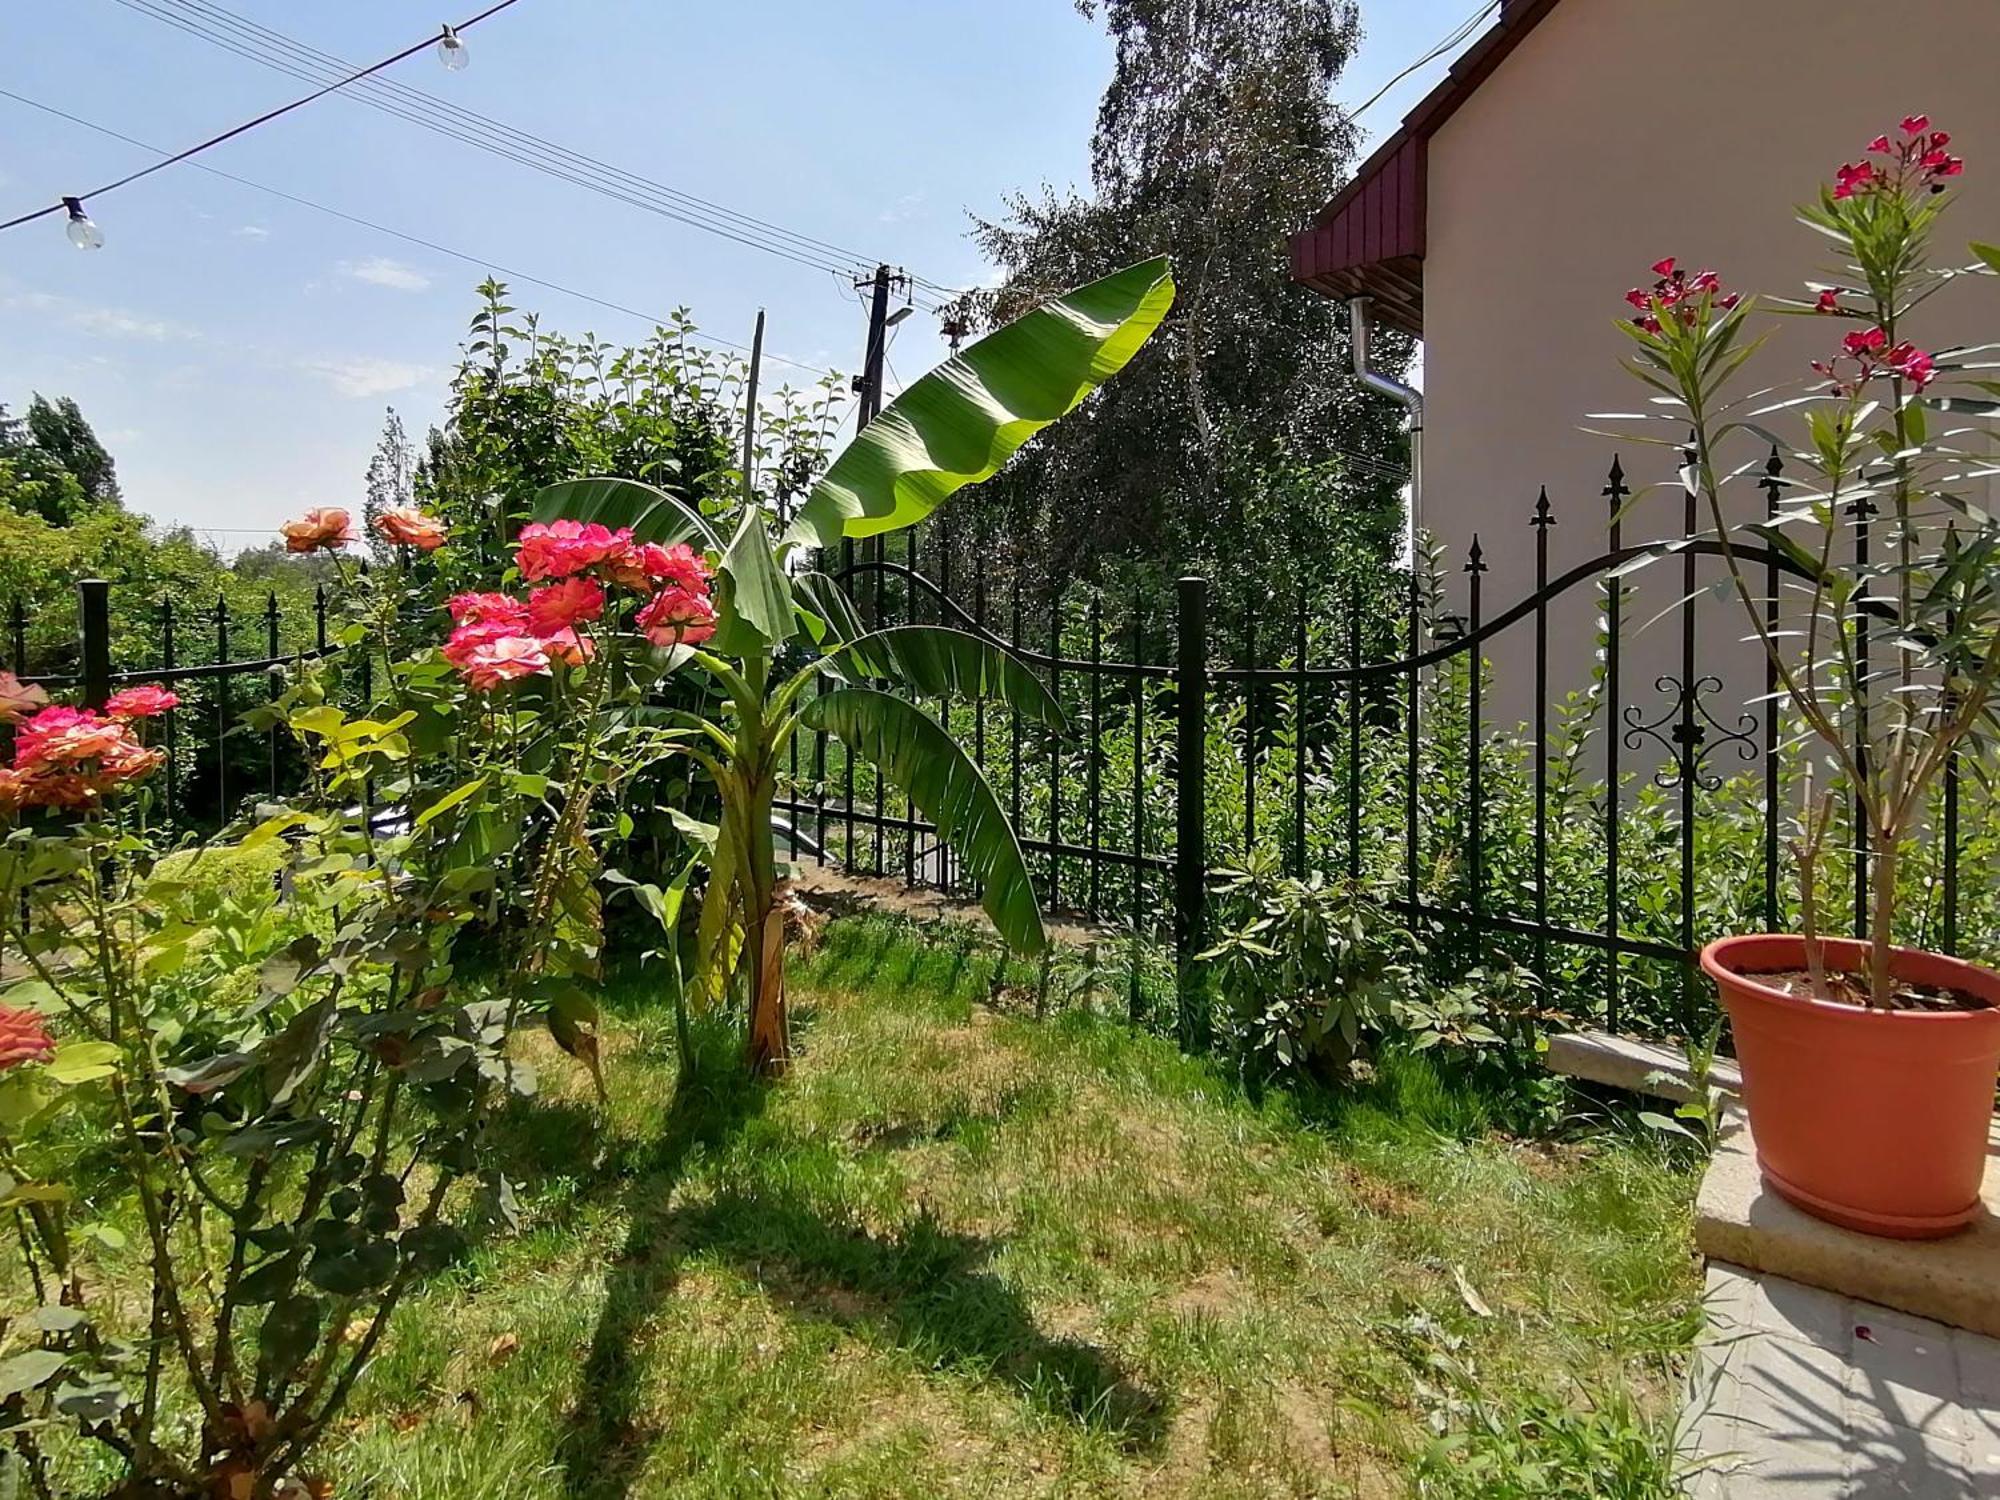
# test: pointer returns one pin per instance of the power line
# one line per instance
(480, 261)
(273, 49)
(71, 203)
(271, 40)
(1457, 34)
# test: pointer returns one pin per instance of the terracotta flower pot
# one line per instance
(1876, 1120)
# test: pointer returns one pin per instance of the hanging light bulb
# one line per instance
(451, 51)
(82, 233)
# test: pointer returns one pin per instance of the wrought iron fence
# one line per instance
(213, 759)
(1354, 742)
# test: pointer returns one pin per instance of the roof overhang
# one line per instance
(1369, 239)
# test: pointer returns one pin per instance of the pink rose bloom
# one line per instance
(493, 663)
(66, 736)
(569, 648)
(557, 549)
(565, 605)
(677, 617)
(24, 1038)
(18, 698)
(487, 609)
(147, 701)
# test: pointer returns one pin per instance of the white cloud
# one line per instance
(905, 207)
(364, 375)
(104, 322)
(251, 232)
(379, 270)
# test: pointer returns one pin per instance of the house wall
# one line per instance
(1620, 131)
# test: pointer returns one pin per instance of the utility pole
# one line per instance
(868, 384)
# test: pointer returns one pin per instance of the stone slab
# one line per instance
(1955, 1281)
(1622, 1062)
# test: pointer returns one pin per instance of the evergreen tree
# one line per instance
(59, 429)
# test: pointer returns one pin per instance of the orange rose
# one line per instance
(322, 527)
(407, 526)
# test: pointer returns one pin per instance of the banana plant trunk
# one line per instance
(770, 1031)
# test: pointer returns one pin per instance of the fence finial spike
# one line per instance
(1475, 556)
(1542, 514)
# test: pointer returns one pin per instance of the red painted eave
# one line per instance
(1369, 239)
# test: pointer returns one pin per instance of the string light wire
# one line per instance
(63, 204)
(480, 261)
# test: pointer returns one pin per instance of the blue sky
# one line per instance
(235, 351)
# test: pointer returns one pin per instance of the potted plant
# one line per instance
(1868, 1068)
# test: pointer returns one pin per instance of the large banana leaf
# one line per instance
(914, 752)
(653, 514)
(831, 615)
(958, 424)
(947, 663)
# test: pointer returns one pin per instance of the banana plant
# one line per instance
(956, 426)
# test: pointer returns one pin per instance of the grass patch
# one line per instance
(964, 1252)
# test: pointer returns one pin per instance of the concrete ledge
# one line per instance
(1954, 1281)
(1620, 1062)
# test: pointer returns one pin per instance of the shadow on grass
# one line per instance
(923, 1288)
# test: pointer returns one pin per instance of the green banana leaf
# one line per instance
(653, 514)
(828, 614)
(757, 598)
(942, 662)
(958, 424)
(914, 752)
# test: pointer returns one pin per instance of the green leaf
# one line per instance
(757, 594)
(1988, 253)
(653, 514)
(941, 662)
(958, 424)
(450, 800)
(31, 1368)
(915, 753)
(290, 1332)
(835, 612)
(81, 1062)
(210, 1074)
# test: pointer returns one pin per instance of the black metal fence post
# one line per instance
(1191, 807)
(93, 613)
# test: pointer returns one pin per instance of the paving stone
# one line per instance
(1906, 1369)
(1804, 1404)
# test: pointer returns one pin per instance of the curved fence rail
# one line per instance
(1585, 847)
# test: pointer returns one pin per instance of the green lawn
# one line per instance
(961, 1251)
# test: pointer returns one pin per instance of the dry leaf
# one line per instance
(503, 1348)
(1472, 1298)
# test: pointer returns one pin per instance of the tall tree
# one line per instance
(60, 430)
(1241, 429)
(391, 482)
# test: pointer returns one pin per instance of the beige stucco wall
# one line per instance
(1620, 131)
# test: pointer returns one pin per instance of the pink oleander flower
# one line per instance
(407, 526)
(1911, 363)
(492, 663)
(18, 698)
(1829, 299)
(147, 701)
(1860, 345)
(1664, 268)
(677, 617)
(1854, 177)
(24, 1038)
(1916, 124)
(557, 549)
(565, 605)
(325, 527)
